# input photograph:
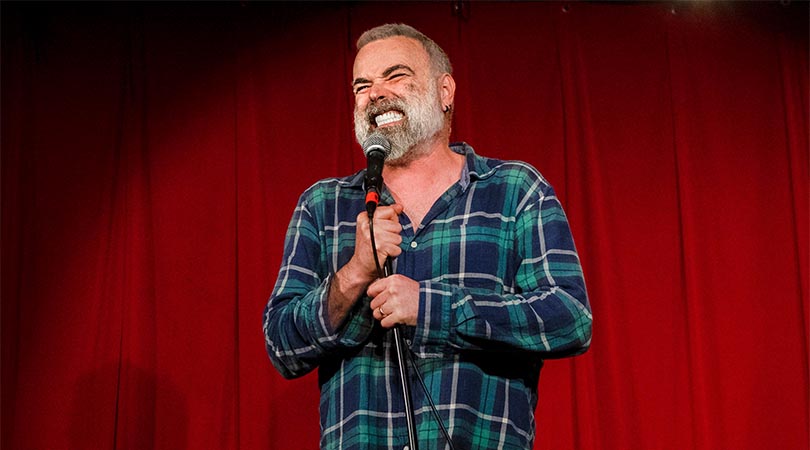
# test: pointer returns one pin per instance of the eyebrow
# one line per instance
(385, 73)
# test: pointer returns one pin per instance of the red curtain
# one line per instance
(152, 155)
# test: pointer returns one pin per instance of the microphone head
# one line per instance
(376, 142)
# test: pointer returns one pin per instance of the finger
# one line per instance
(377, 314)
(389, 226)
(388, 321)
(382, 227)
(387, 237)
(388, 212)
(384, 230)
(388, 244)
(375, 289)
(380, 221)
(393, 250)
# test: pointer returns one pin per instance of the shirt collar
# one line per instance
(474, 169)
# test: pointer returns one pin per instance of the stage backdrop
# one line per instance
(152, 155)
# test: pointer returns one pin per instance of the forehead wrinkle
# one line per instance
(394, 49)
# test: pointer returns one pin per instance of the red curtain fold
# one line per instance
(152, 155)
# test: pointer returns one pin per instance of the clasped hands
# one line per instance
(395, 299)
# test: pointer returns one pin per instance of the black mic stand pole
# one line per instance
(399, 346)
(376, 149)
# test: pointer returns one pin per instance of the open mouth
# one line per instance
(388, 118)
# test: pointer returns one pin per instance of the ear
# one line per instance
(447, 89)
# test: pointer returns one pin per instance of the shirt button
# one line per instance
(414, 244)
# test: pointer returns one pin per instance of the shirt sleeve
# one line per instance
(548, 313)
(297, 332)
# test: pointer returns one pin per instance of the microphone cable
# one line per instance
(382, 274)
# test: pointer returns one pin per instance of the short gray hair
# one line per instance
(439, 61)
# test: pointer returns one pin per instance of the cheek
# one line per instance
(361, 104)
(359, 107)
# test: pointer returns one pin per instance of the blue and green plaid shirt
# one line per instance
(501, 289)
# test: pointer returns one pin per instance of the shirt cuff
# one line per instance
(354, 330)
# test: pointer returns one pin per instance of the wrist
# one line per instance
(352, 279)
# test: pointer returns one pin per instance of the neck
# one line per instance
(431, 157)
(419, 183)
(434, 170)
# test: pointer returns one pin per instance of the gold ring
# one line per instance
(382, 313)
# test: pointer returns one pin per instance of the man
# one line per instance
(487, 280)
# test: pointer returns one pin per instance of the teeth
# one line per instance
(390, 116)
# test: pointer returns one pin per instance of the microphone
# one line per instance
(376, 147)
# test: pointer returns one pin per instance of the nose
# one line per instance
(376, 92)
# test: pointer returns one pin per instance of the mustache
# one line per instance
(387, 104)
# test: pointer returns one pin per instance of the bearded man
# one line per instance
(487, 282)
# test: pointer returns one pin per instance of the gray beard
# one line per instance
(423, 120)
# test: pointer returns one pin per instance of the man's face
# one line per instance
(396, 95)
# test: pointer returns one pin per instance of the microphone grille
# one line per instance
(376, 142)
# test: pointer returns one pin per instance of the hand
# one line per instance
(352, 279)
(387, 237)
(395, 300)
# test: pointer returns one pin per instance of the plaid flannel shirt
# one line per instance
(501, 289)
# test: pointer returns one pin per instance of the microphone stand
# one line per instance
(399, 346)
(376, 149)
